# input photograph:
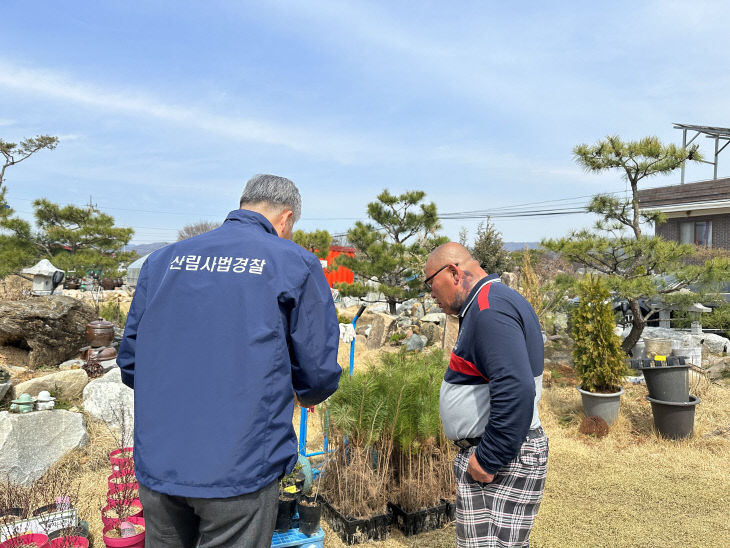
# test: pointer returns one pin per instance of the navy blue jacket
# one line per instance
(494, 380)
(223, 329)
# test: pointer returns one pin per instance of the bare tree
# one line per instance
(195, 229)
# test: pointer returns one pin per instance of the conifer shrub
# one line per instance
(597, 354)
(386, 424)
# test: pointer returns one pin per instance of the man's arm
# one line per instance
(501, 352)
(128, 346)
(314, 333)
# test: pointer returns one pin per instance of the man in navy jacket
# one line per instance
(489, 399)
(224, 330)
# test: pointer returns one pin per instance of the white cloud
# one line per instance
(4, 122)
(343, 147)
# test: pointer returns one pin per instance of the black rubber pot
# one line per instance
(287, 508)
(674, 420)
(310, 514)
(668, 382)
(420, 521)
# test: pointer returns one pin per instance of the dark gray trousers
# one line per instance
(245, 521)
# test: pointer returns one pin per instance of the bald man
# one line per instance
(489, 399)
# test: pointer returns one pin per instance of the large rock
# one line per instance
(31, 443)
(451, 332)
(509, 279)
(382, 325)
(107, 399)
(438, 318)
(52, 328)
(433, 333)
(67, 385)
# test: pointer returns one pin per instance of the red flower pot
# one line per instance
(122, 459)
(136, 541)
(70, 542)
(115, 486)
(113, 521)
(33, 539)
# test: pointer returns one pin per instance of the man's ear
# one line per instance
(285, 224)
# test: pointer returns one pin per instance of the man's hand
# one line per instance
(477, 473)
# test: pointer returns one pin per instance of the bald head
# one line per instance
(461, 273)
(451, 252)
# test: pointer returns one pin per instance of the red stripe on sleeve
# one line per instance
(460, 365)
(483, 299)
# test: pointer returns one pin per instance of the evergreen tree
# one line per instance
(488, 249)
(392, 250)
(597, 354)
(14, 153)
(16, 248)
(635, 266)
(318, 242)
(80, 238)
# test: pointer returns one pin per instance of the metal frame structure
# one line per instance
(716, 133)
(303, 417)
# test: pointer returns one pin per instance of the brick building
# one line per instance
(697, 213)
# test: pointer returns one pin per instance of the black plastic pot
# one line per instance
(47, 509)
(674, 420)
(668, 383)
(287, 508)
(10, 514)
(310, 514)
(420, 521)
(450, 509)
(355, 531)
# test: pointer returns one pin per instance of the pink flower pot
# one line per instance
(120, 461)
(70, 542)
(136, 541)
(112, 521)
(34, 539)
(115, 487)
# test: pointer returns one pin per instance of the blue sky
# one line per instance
(164, 109)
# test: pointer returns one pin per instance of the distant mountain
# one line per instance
(143, 249)
(519, 246)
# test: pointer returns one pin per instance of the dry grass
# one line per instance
(630, 488)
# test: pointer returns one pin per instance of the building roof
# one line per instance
(702, 193)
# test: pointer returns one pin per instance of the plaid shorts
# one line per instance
(501, 513)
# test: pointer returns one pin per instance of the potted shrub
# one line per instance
(128, 533)
(597, 354)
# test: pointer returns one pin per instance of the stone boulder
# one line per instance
(433, 333)
(107, 399)
(509, 279)
(32, 443)
(451, 332)
(438, 318)
(51, 328)
(67, 385)
(382, 326)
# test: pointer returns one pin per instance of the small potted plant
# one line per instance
(597, 354)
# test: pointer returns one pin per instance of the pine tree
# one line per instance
(392, 251)
(635, 266)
